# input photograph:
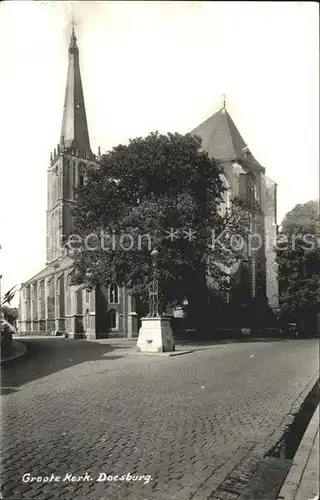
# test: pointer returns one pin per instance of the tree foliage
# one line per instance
(150, 194)
(298, 257)
(11, 314)
(303, 218)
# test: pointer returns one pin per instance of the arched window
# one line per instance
(113, 319)
(225, 204)
(53, 180)
(57, 285)
(57, 234)
(81, 172)
(68, 293)
(87, 321)
(251, 188)
(71, 179)
(53, 234)
(113, 294)
(57, 184)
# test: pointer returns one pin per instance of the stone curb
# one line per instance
(37, 337)
(243, 340)
(18, 346)
(295, 475)
(170, 353)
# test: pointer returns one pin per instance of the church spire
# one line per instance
(74, 130)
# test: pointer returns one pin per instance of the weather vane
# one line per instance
(73, 23)
(70, 6)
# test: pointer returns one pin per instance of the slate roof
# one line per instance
(222, 140)
(52, 269)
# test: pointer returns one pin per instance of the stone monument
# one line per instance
(155, 334)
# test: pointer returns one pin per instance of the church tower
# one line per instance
(69, 159)
(255, 278)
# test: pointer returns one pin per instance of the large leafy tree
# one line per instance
(298, 257)
(163, 192)
(303, 218)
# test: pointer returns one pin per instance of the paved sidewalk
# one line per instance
(302, 482)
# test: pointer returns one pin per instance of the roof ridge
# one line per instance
(229, 133)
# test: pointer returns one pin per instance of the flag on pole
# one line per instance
(7, 298)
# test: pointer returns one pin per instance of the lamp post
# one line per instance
(155, 334)
(154, 287)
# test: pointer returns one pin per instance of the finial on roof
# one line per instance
(73, 38)
(224, 101)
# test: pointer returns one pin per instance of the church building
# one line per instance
(49, 303)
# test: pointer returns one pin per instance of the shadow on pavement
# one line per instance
(47, 356)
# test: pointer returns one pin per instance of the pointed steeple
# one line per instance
(74, 130)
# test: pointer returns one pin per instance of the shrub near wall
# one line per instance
(6, 337)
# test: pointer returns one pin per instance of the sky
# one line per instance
(150, 66)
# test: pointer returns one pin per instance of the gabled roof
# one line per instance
(222, 140)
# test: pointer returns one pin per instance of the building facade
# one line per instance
(244, 177)
(49, 303)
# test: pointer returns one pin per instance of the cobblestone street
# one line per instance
(77, 407)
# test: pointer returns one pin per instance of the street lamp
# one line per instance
(154, 287)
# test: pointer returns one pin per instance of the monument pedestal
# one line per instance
(155, 335)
